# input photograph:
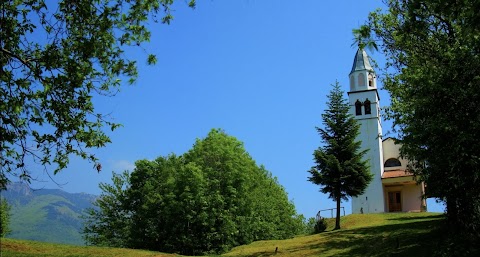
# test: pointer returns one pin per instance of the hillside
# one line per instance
(396, 234)
(390, 234)
(48, 215)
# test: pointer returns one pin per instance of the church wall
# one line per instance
(392, 150)
(411, 196)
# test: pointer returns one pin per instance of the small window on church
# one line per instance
(352, 83)
(368, 108)
(361, 80)
(358, 108)
(392, 162)
(370, 80)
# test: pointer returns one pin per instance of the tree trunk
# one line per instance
(452, 213)
(337, 219)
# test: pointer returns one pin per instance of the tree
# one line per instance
(208, 200)
(363, 39)
(55, 58)
(108, 222)
(340, 170)
(4, 217)
(432, 74)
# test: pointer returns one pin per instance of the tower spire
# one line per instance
(362, 76)
(361, 62)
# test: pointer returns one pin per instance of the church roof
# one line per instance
(361, 62)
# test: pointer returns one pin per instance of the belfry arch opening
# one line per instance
(371, 80)
(368, 107)
(358, 107)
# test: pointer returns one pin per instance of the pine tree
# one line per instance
(340, 170)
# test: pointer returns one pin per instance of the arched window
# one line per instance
(370, 80)
(361, 80)
(358, 107)
(352, 83)
(392, 162)
(368, 108)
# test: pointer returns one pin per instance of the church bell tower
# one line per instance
(365, 107)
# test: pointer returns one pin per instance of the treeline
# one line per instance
(208, 200)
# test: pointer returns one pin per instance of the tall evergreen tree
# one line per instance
(340, 170)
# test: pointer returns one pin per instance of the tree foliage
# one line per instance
(4, 217)
(107, 224)
(339, 169)
(433, 76)
(210, 199)
(56, 56)
(363, 39)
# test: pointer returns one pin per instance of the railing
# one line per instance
(319, 216)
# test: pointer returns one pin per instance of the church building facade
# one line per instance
(392, 188)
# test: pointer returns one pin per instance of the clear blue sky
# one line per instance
(259, 69)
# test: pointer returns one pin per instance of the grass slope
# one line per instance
(392, 234)
(22, 248)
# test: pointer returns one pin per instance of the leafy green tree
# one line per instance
(246, 202)
(208, 200)
(108, 222)
(310, 226)
(432, 74)
(4, 217)
(55, 58)
(339, 169)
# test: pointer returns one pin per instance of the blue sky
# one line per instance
(260, 70)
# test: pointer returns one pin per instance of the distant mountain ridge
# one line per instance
(48, 215)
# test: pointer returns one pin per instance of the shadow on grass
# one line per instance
(411, 239)
(431, 217)
(417, 236)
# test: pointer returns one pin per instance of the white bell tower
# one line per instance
(365, 107)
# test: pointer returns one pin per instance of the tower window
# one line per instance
(361, 80)
(392, 162)
(352, 83)
(368, 108)
(370, 80)
(358, 108)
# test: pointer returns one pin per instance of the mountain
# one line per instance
(48, 215)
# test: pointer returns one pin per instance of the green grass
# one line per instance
(23, 248)
(392, 234)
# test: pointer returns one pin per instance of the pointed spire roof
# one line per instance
(361, 61)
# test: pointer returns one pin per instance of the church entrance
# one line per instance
(394, 201)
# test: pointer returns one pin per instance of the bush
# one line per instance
(320, 226)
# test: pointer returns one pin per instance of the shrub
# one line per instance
(320, 226)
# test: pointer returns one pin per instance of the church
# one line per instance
(392, 188)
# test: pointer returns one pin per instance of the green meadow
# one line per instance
(390, 234)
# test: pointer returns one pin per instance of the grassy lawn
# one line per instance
(392, 234)
(22, 248)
